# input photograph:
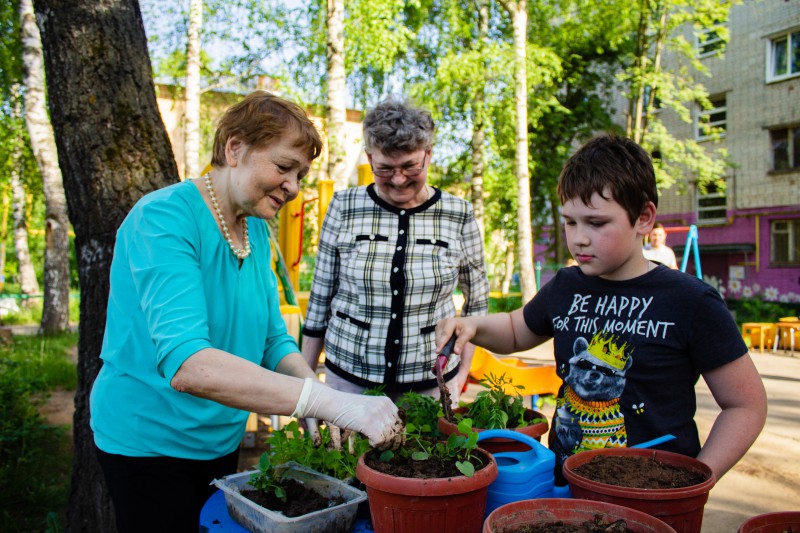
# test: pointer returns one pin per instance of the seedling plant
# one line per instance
(456, 449)
(266, 479)
(291, 444)
(493, 408)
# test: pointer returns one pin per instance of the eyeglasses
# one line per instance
(409, 172)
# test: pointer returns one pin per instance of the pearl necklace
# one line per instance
(242, 252)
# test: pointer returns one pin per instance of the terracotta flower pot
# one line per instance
(571, 512)
(681, 508)
(497, 445)
(444, 505)
(772, 523)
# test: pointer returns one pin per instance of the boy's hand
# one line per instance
(447, 327)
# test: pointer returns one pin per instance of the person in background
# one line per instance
(631, 337)
(657, 250)
(194, 338)
(390, 256)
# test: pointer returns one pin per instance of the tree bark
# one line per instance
(479, 126)
(337, 108)
(28, 283)
(191, 147)
(519, 20)
(113, 149)
(55, 308)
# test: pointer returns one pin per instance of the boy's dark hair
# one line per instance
(615, 164)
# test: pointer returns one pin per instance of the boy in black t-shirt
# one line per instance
(631, 337)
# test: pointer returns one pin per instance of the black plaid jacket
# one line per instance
(384, 277)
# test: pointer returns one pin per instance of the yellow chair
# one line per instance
(536, 379)
(787, 333)
(757, 334)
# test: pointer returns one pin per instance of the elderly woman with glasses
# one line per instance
(390, 256)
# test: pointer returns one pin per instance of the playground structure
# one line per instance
(691, 244)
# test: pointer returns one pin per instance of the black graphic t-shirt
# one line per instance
(630, 353)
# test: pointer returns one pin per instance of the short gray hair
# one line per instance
(394, 126)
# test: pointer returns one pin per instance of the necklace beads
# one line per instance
(242, 252)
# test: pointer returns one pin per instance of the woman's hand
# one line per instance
(375, 417)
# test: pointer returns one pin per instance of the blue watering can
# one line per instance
(520, 475)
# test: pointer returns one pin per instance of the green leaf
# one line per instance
(466, 468)
(386, 456)
(465, 426)
(420, 456)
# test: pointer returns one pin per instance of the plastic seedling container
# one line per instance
(257, 519)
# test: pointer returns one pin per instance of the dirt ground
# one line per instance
(766, 480)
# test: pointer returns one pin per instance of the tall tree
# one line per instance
(191, 124)
(55, 309)
(28, 284)
(517, 10)
(657, 37)
(337, 94)
(113, 149)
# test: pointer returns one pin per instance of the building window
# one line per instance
(712, 123)
(785, 145)
(783, 56)
(711, 205)
(785, 242)
(709, 41)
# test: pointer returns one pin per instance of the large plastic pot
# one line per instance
(772, 523)
(498, 444)
(570, 511)
(681, 508)
(444, 505)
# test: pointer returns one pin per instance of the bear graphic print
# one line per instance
(588, 415)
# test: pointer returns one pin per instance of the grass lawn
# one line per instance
(35, 457)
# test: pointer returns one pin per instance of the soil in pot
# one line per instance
(638, 472)
(430, 468)
(598, 525)
(300, 499)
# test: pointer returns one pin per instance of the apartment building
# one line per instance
(748, 234)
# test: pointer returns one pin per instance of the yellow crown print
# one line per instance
(605, 349)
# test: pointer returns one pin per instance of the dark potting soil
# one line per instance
(598, 525)
(300, 499)
(638, 472)
(430, 468)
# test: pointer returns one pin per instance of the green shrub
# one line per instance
(35, 457)
(758, 310)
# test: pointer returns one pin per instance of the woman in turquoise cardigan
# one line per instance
(194, 338)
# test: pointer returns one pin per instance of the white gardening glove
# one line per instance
(375, 417)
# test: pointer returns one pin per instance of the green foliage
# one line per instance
(456, 449)
(291, 444)
(421, 411)
(494, 409)
(35, 457)
(759, 310)
(43, 363)
(504, 304)
(266, 479)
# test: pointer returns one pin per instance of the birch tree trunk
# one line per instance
(191, 139)
(337, 109)
(55, 308)
(27, 275)
(519, 19)
(479, 127)
(113, 148)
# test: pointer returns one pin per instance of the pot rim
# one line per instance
(566, 504)
(669, 458)
(444, 486)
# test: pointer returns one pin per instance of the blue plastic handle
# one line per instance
(535, 445)
(654, 442)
